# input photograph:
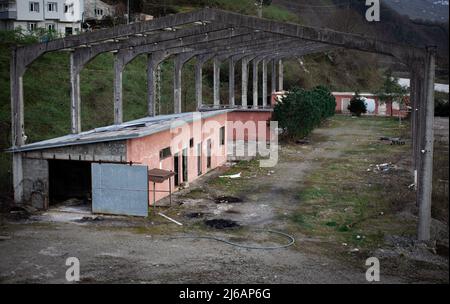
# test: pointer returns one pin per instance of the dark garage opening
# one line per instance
(70, 181)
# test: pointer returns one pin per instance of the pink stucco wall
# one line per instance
(389, 108)
(248, 118)
(146, 150)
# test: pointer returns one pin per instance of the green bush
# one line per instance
(357, 105)
(300, 111)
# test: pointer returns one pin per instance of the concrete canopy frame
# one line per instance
(218, 35)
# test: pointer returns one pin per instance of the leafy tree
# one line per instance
(391, 90)
(357, 105)
(300, 111)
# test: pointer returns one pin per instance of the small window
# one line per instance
(191, 143)
(165, 153)
(34, 7)
(32, 26)
(52, 6)
(222, 136)
(50, 27)
(69, 30)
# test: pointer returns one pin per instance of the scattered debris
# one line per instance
(302, 142)
(354, 250)
(195, 214)
(86, 219)
(238, 175)
(18, 213)
(4, 237)
(393, 140)
(221, 223)
(386, 167)
(227, 200)
(170, 219)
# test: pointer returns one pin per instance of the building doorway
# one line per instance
(70, 180)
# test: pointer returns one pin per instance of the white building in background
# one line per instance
(62, 16)
(97, 10)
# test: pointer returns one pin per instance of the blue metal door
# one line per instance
(120, 189)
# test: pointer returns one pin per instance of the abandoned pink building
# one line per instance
(374, 105)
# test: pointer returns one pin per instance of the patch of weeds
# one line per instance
(331, 224)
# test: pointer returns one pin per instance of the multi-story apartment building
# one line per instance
(62, 16)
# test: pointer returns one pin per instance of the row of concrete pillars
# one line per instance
(122, 58)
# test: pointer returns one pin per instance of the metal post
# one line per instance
(424, 192)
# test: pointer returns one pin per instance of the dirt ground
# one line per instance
(329, 194)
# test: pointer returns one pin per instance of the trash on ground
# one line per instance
(227, 200)
(4, 237)
(195, 214)
(393, 140)
(302, 142)
(385, 167)
(221, 223)
(238, 175)
(170, 219)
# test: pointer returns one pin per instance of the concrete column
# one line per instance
(17, 123)
(199, 83)
(216, 85)
(255, 82)
(264, 83)
(75, 99)
(280, 75)
(244, 88)
(118, 71)
(151, 84)
(274, 76)
(177, 85)
(231, 90)
(426, 168)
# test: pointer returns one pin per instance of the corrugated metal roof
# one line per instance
(132, 129)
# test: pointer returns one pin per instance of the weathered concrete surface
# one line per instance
(113, 151)
(36, 183)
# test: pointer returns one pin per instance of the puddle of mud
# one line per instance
(227, 200)
(221, 224)
(195, 214)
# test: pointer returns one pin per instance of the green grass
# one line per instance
(335, 201)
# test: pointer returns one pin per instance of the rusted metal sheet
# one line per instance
(120, 189)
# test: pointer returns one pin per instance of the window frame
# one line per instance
(165, 153)
(34, 7)
(52, 4)
(222, 136)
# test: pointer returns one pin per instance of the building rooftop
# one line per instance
(127, 130)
